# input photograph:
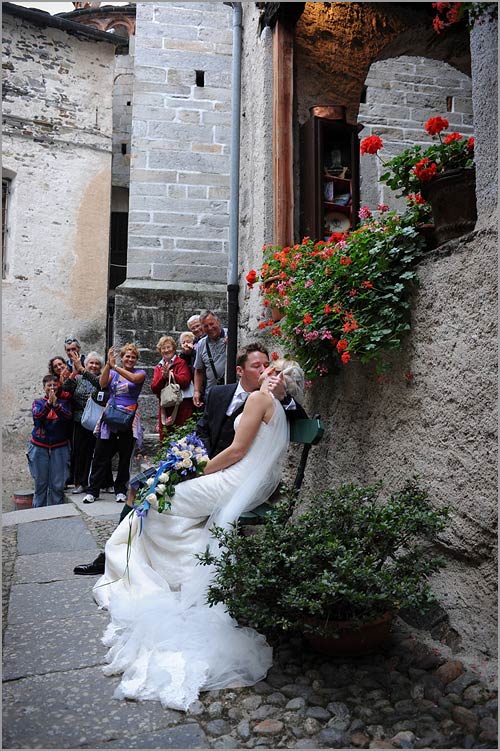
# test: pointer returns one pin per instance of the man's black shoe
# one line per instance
(92, 569)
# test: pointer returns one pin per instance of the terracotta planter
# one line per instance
(22, 499)
(346, 638)
(452, 196)
(277, 314)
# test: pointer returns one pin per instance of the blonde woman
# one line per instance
(125, 382)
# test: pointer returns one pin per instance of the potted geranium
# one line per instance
(341, 569)
(443, 172)
(346, 297)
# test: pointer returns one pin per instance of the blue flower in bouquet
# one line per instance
(184, 460)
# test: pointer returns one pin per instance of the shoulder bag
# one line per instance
(91, 414)
(219, 380)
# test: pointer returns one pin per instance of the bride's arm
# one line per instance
(256, 406)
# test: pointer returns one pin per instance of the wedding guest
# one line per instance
(210, 362)
(83, 384)
(194, 325)
(71, 345)
(188, 352)
(171, 363)
(125, 382)
(49, 450)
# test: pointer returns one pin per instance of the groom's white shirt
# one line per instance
(237, 399)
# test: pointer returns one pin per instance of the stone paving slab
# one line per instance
(51, 601)
(54, 536)
(74, 709)
(23, 516)
(49, 567)
(106, 505)
(35, 648)
(189, 735)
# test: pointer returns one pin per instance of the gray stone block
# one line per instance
(56, 535)
(181, 736)
(74, 709)
(47, 567)
(35, 602)
(38, 648)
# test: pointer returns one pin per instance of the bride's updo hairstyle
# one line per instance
(293, 376)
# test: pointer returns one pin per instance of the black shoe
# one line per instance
(92, 569)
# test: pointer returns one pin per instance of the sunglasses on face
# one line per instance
(70, 340)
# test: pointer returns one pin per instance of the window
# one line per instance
(5, 208)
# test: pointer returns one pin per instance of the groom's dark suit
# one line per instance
(215, 428)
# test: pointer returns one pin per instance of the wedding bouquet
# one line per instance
(184, 460)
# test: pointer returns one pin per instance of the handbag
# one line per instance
(171, 394)
(91, 414)
(117, 419)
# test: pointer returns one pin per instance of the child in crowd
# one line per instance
(49, 450)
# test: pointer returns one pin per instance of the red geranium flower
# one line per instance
(345, 260)
(367, 284)
(274, 355)
(425, 169)
(342, 344)
(307, 318)
(345, 357)
(251, 278)
(262, 325)
(371, 145)
(453, 137)
(435, 125)
(470, 144)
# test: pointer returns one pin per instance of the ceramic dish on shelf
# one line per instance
(335, 221)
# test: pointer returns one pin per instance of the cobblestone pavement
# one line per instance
(413, 695)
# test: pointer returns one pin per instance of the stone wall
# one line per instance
(123, 89)
(57, 152)
(433, 415)
(179, 192)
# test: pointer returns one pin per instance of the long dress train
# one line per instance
(163, 637)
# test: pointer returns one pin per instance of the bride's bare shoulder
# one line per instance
(260, 399)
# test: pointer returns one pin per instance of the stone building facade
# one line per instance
(57, 134)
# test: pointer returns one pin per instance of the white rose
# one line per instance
(164, 477)
(150, 481)
(178, 465)
(186, 455)
(187, 463)
(160, 488)
(151, 498)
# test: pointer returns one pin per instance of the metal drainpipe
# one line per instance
(234, 199)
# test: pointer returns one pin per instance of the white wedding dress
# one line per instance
(163, 637)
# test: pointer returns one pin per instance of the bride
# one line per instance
(163, 637)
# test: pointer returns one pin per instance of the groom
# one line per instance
(222, 407)
(225, 403)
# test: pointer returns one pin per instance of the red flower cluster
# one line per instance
(435, 125)
(251, 278)
(425, 169)
(453, 137)
(345, 260)
(452, 13)
(342, 344)
(371, 144)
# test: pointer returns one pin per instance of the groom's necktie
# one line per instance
(238, 401)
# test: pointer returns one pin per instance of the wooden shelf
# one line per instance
(338, 207)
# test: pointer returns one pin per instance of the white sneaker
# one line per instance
(121, 497)
(89, 498)
(77, 490)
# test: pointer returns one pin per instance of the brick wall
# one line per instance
(179, 193)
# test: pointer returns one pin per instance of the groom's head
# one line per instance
(251, 361)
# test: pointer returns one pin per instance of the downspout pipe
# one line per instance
(234, 199)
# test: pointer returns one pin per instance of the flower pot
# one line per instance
(452, 196)
(341, 638)
(277, 314)
(22, 499)
(428, 232)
